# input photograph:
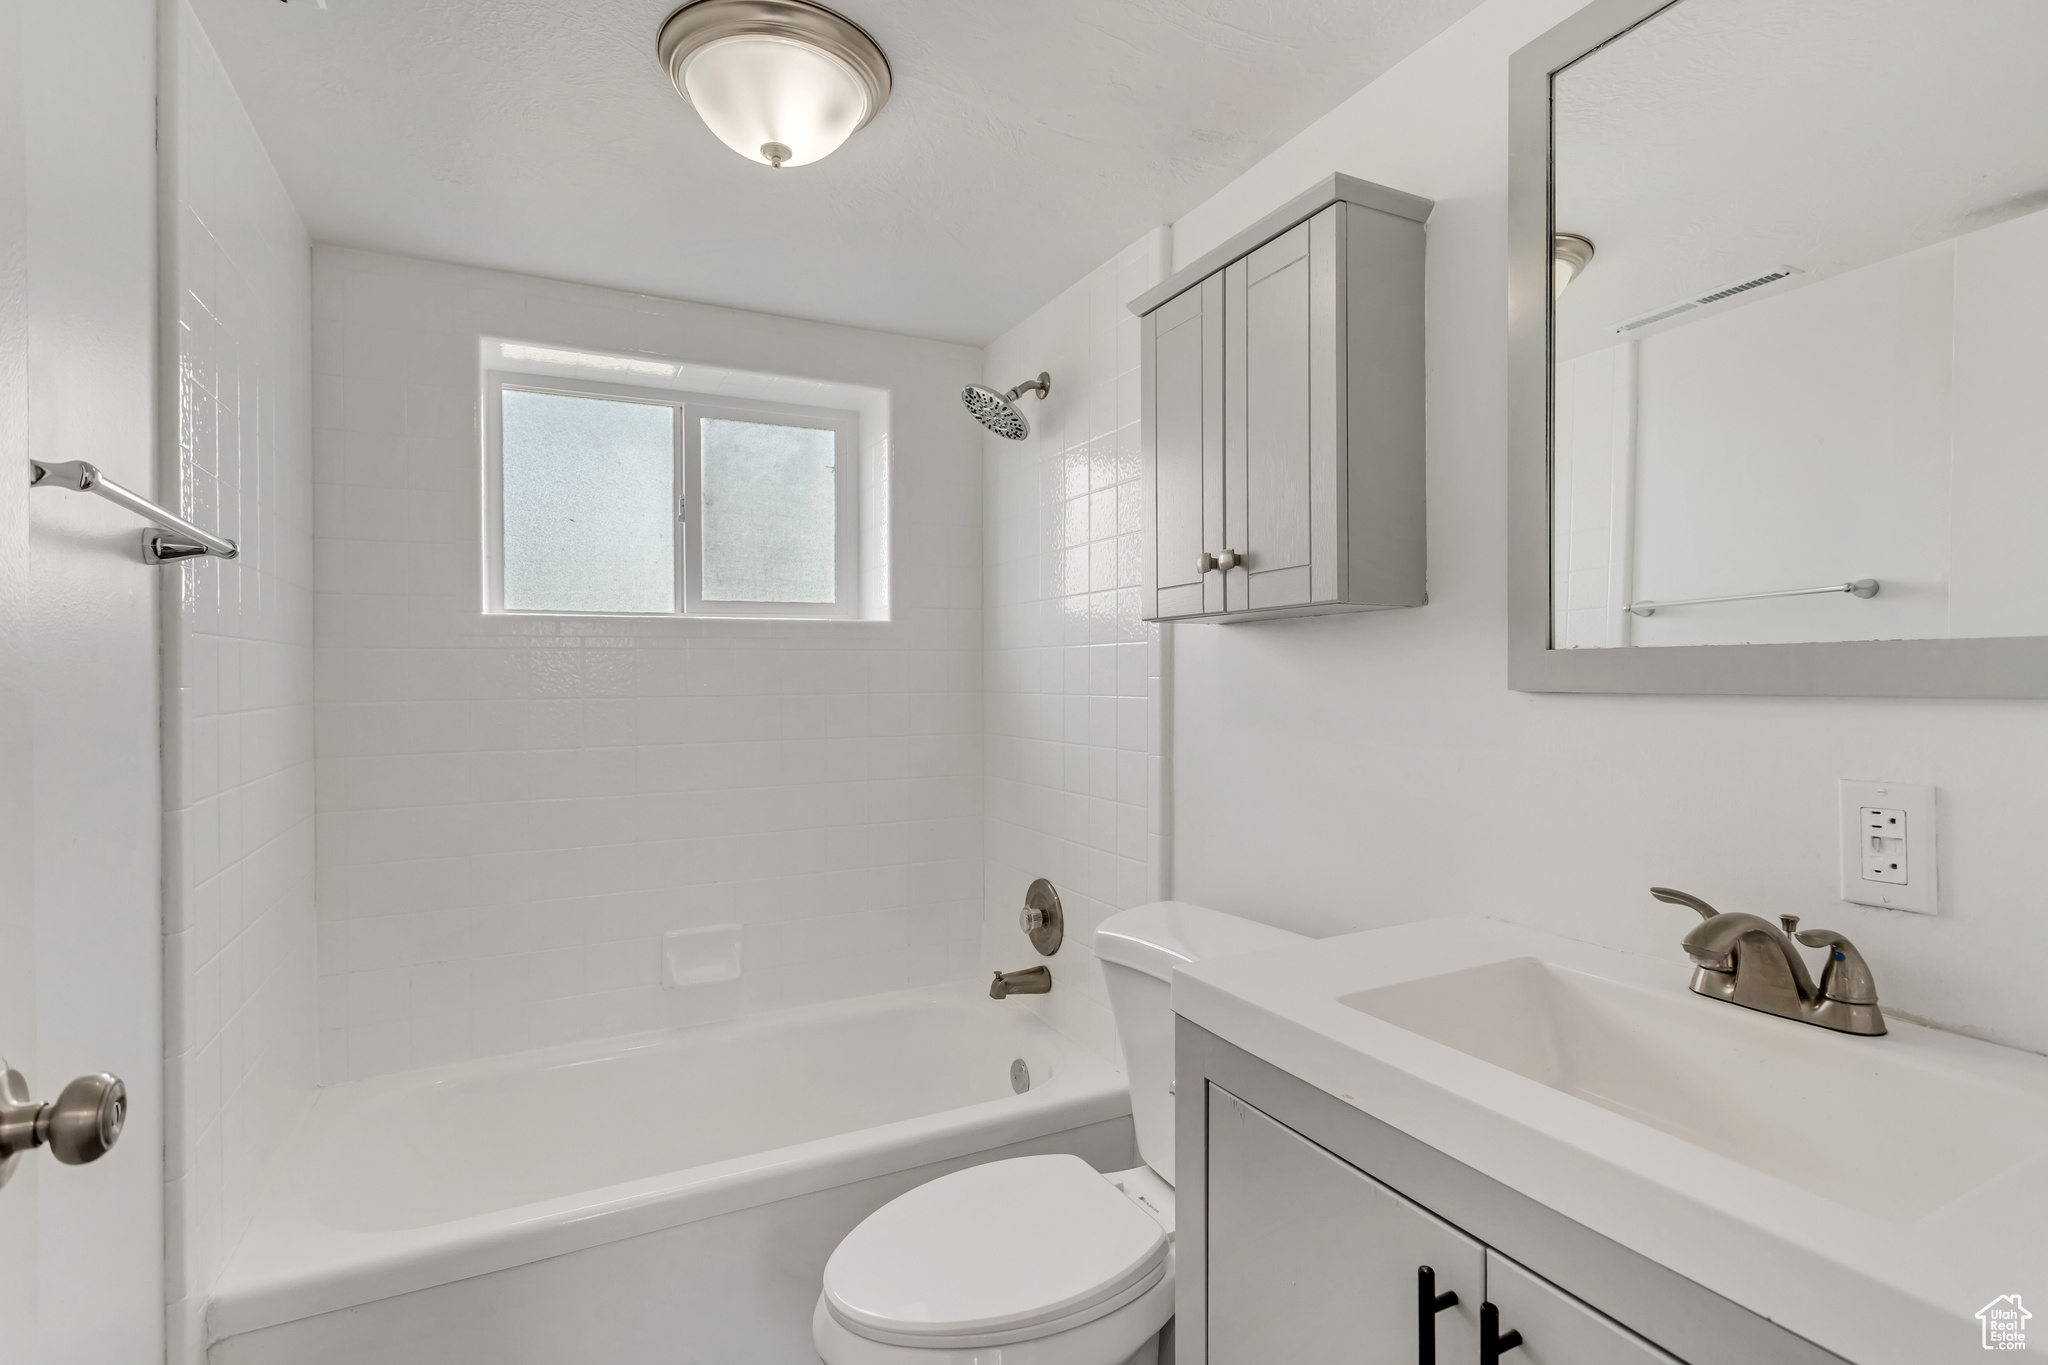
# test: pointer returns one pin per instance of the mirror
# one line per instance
(1799, 374)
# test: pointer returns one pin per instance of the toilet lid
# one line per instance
(994, 1248)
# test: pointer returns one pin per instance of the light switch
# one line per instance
(1887, 838)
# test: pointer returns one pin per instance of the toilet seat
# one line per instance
(1006, 1252)
(1128, 1336)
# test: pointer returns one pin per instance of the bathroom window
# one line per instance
(623, 501)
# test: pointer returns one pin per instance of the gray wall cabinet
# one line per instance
(1282, 412)
(1304, 1224)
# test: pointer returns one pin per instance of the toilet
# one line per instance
(1041, 1260)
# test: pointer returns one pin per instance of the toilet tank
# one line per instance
(1138, 949)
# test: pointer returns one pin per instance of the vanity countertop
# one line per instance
(1869, 1194)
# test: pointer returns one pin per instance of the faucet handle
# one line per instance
(1790, 924)
(1690, 901)
(1847, 976)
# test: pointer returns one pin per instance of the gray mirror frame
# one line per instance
(2014, 666)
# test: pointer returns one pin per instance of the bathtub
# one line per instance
(670, 1197)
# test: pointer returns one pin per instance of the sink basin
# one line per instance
(1868, 1194)
(1844, 1118)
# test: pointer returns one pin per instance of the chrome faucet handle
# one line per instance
(1847, 976)
(1686, 899)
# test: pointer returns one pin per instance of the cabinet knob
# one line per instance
(1206, 563)
(1228, 560)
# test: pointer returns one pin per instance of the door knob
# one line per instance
(80, 1126)
(1229, 559)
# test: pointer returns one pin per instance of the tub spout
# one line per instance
(1030, 981)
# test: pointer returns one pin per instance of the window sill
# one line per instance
(684, 618)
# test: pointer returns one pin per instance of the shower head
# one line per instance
(998, 411)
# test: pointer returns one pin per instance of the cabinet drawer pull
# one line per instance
(1228, 560)
(1428, 1303)
(1492, 1341)
(1206, 563)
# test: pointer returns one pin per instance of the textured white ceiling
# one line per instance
(1724, 138)
(1025, 142)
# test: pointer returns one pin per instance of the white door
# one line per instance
(81, 795)
(1313, 1262)
(18, 1209)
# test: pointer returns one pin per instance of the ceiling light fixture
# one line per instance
(781, 82)
(1569, 254)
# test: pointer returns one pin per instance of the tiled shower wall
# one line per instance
(1073, 751)
(239, 1026)
(513, 810)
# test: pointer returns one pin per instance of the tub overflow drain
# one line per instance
(1020, 1076)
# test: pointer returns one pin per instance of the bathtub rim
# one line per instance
(290, 1265)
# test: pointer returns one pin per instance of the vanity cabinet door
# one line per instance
(1556, 1328)
(1313, 1262)
(1183, 400)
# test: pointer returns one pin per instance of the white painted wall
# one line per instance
(512, 810)
(1801, 439)
(1072, 746)
(1338, 773)
(240, 1026)
(1999, 555)
(1879, 423)
(1592, 505)
(88, 86)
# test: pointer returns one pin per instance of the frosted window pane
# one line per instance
(589, 504)
(770, 513)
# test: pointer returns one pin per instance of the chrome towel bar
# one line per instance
(179, 538)
(1862, 587)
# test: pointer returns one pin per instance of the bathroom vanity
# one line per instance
(1602, 1167)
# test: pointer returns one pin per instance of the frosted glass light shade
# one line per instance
(1569, 256)
(757, 92)
(781, 82)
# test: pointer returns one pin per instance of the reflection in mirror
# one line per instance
(1806, 346)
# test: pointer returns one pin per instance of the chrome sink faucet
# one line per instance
(1748, 961)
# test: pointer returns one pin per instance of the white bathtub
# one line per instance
(670, 1197)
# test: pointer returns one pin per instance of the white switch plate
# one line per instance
(1887, 837)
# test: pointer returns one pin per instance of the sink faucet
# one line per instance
(1748, 961)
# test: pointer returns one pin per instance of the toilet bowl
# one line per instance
(1041, 1260)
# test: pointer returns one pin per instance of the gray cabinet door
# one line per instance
(1184, 406)
(1313, 1262)
(1556, 1328)
(1283, 405)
